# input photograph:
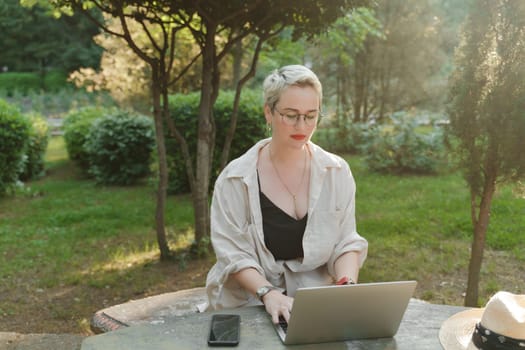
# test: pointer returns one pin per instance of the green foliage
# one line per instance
(21, 82)
(387, 56)
(184, 112)
(487, 94)
(26, 82)
(352, 138)
(36, 147)
(487, 115)
(33, 40)
(416, 224)
(129, 81)
(119, 147)
(14, 134)
(400, 149)
(336, 51)
(55, 80)
(76, 126)
(331, 51)
(277, 52)
(57, 103)
(348, 34)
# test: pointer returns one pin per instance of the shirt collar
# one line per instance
(246, 164)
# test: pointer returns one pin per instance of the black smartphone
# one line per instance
(225, 330)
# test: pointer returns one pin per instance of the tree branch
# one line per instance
(188, 66)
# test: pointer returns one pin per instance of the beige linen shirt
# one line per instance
(237, 230)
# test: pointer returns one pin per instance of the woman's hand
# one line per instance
(277, 304)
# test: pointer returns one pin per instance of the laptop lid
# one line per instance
(339, 313)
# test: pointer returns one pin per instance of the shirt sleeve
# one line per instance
(350, 240)
(232, 233)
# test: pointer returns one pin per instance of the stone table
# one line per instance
(418, 330)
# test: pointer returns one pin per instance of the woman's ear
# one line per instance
(268, 114)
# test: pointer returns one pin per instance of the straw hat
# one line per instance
(499, 325)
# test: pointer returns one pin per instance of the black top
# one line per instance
(283, 234)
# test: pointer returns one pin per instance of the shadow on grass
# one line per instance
(68, 307)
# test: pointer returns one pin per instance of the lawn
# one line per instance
(419, 227)
(69, 247)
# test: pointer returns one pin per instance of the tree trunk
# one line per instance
(385, 77)
(345, 103)
(237, 53)
(478, 244)
(206, 138)
(163, 166)
(338, 96)
(357, 101)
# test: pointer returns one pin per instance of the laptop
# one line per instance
(340, 313)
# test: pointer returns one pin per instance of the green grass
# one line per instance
(56, 152)
(67, 238)
(64, 225)
(428, 209)
(419, 227)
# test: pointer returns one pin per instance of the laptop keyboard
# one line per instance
(283, 324)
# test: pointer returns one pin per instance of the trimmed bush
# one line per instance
(119, 147)
(251, 127)
(14, 135)
(56, 80)
(59, 103)
(343, 136)
(76, 126)
(12, 83)
(400, 148)
(36, 147)
(20, 81)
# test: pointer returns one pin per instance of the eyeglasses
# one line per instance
(291, 118)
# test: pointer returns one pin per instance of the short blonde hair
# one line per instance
(292, 75)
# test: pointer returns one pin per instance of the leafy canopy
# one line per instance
(487, 108)
(32, 39)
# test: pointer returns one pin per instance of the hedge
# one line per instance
(119, 148)
(14, 135)
(399, 148)
(24, 82)
(76, 126)
(36, 147)
(251, 127)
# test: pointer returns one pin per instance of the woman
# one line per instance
(283, 214)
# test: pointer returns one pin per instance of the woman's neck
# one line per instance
(283, 154)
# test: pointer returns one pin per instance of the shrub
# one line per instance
(76, 126)
(400, 148)
(119, 146)
(251, 127)
(14, 135)
(12, 83)
(343, 136)
(23, 82)
(56, 80)
(57, 103)
(36, 147)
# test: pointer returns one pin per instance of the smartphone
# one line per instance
(224, 330)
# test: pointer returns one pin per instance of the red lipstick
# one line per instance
(298, 137)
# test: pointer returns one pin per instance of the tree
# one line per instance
(487, 112)
(127, 79)
(216, 27)
(33, 40)
(337, 50)
(397, 65)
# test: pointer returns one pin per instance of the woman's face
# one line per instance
(294, 117)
